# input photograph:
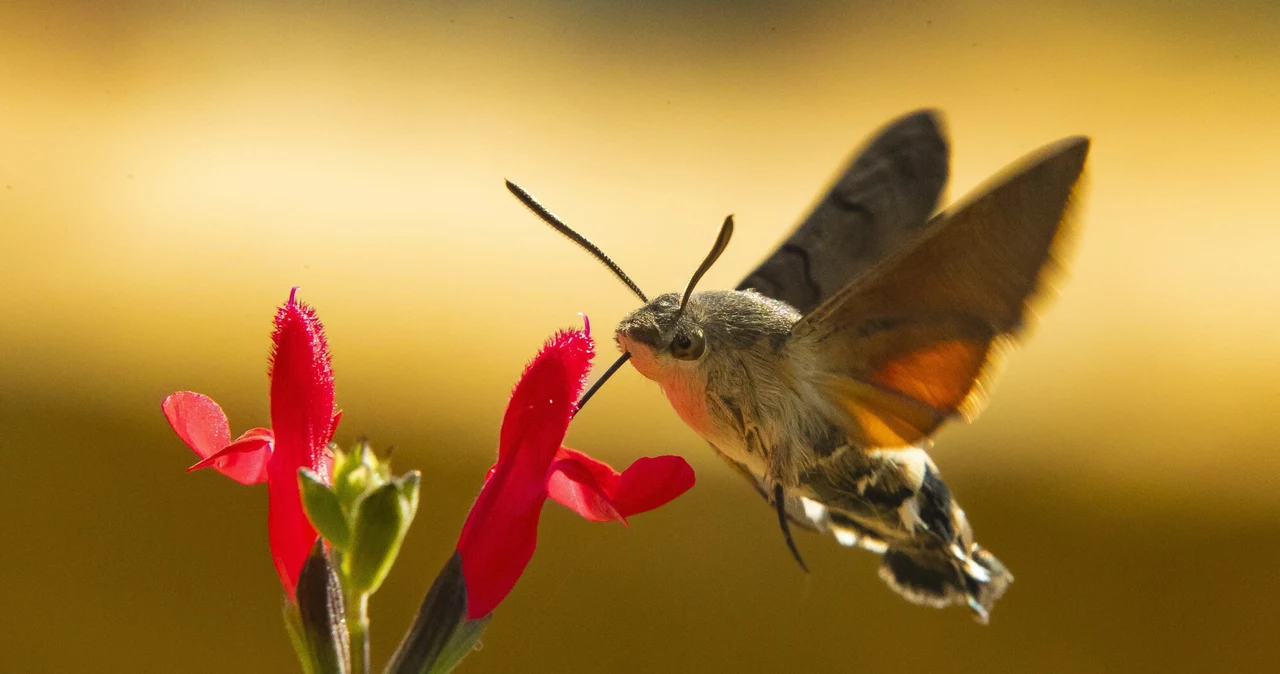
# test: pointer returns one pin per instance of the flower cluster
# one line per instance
(363, 511)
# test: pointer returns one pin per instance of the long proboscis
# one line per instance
(551, 219)
(722, 242)
(600, 382)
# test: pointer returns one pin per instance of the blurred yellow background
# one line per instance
(169, 172)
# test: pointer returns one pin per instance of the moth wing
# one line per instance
(911, 343)
(882, 199)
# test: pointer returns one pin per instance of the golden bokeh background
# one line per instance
(170, 171)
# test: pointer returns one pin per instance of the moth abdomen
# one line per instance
(895, 502)
(935, 506)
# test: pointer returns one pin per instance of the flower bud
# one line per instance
(354, 474)
(364, 515)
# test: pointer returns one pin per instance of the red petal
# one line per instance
(289, 531)
(501, 531)
(596, 491)
(651, 482)
(301, 389)
(302, 414)
(559, 373)
(244, 460)
(584, 485)
(198, 421)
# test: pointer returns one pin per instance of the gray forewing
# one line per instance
(881, 201)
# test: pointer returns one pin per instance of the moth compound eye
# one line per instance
(689, 346)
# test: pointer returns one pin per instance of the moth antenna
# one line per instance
(722, 242)
(600, 382)
(551, 219)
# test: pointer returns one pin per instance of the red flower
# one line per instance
(501, 531)
(302, 422)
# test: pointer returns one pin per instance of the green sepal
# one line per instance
(407, 484)
(381, 467)
(460, 645)
(380, 523)
(323, 509)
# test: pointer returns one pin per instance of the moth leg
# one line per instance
(780, 468)
(775, 493)
(780, 473)
(794, 506)
(780, 502)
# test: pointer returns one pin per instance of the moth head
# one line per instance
(661, 335)
(667, 328)
(665, 342)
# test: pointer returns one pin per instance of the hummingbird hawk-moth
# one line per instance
(823, 375)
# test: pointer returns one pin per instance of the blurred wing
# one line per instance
(906, 346)
(880, 202)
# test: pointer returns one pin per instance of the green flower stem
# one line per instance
(358, 628)
(298, 636)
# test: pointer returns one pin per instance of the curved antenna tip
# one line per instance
(722, 242)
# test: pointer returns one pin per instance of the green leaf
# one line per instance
(323, 509)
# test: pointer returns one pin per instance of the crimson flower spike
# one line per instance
(303, 420)
(500, 534)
